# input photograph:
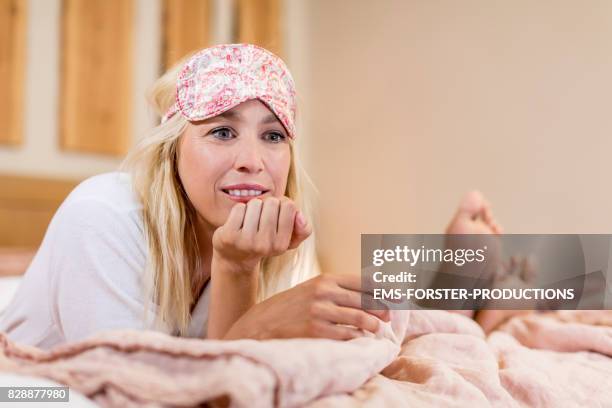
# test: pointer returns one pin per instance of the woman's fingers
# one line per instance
(278, 222)
(286, 219)
(347, 315)
(268, 227)
(251, 218)
(352, 299)
(348, 281)
(301, 230)
(269, 219)
(236, 217)
(342, 296)
(333, 331)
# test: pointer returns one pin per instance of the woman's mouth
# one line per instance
(244, 193)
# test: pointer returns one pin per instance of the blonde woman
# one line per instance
(206, 234)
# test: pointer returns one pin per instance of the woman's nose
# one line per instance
(249, 158)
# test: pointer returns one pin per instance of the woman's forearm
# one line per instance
(233, 292)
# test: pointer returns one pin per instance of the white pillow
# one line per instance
(8, 287)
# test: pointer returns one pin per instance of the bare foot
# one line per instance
(474, 216)
(519, 273)
(473, 226)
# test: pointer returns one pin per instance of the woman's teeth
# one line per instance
(239, 193)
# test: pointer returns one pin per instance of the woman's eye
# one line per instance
(222, 133)
(275, 137)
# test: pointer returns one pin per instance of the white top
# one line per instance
(8, 287)
(87, 275)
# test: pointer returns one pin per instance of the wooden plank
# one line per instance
(23, 227)
(12, 67)
(259, 23)
(186, 28)
(96, 75)
(26, 206)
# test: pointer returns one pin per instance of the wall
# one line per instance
(412, 103)
(40, 154)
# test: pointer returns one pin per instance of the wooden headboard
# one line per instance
(27, 205)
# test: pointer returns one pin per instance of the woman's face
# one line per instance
(234, 157)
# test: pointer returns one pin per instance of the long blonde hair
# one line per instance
(169, 219)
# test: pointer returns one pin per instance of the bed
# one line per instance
(13, 263)
(419, 358)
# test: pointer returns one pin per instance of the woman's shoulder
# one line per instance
(106, 202)
(113, 189)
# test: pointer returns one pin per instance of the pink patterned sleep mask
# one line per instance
(221, 77)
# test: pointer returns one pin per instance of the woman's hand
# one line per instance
(253, 231)
(259, 229)
(325, 306)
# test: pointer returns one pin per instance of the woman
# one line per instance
(206, 233)
(208, 220)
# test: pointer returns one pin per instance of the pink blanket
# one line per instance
(421, 358)
(557, 359)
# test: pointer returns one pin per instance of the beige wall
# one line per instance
(412, 103)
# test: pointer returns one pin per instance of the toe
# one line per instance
(472, 203)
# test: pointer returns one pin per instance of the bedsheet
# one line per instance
(419, 358)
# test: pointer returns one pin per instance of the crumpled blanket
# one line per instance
(553, 359)
(420, 358)
(144, 368)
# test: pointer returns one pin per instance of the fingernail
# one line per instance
(301, 220)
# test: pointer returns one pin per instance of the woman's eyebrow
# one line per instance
(271, 118)
(229, 115)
